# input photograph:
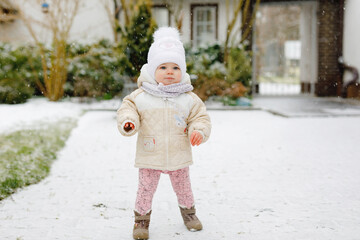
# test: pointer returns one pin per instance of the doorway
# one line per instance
(285, 48)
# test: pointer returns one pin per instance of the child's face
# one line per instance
(168, 73)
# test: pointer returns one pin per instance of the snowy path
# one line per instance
(259, 177)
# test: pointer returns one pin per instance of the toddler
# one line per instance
(168, 117)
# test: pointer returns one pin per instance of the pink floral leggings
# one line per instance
(148, 182)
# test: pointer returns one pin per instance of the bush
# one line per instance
(95, 71)
(14, 91)
(239, 66)
(136, 40)
(208, 61)
(19, 69)
(217, 78)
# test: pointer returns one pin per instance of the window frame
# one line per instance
(192, 7)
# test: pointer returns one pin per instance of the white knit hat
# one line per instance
(166, 47)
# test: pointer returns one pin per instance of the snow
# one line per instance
(260, 176)
(279, 88)
(34, 112)
(39, 110)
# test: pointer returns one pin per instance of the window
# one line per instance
(204, 24)
(7, 13)
(161, 15)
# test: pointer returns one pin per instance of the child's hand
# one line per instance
(196, 138)
(128, 126)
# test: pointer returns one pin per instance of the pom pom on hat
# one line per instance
(166, 32)
(166, 47)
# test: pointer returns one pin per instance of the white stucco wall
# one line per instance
(223, 18)
(90, 24)
(309, 47)
(351, 39)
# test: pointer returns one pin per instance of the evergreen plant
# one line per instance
(136, 39)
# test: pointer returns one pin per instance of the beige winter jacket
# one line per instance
(163, 125)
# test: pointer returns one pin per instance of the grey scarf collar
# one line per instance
(162, 90)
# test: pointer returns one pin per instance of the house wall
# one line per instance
(223, 18)
(14, 32)
(309, 47)
(90, 25)
(351, 35)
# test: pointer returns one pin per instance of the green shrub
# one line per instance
(19, 68)
(95, 71)
(209, 61)
(239, 67)
(136, 40)
(14, 91)
(214, 76)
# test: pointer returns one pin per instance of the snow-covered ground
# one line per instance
(279, 88)
(260, 176)
(39, 110)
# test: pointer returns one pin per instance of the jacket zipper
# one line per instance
(167, 133)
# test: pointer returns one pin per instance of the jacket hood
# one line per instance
(145, 77)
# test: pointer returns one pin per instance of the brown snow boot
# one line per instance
(141, 226)
(191, 222)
